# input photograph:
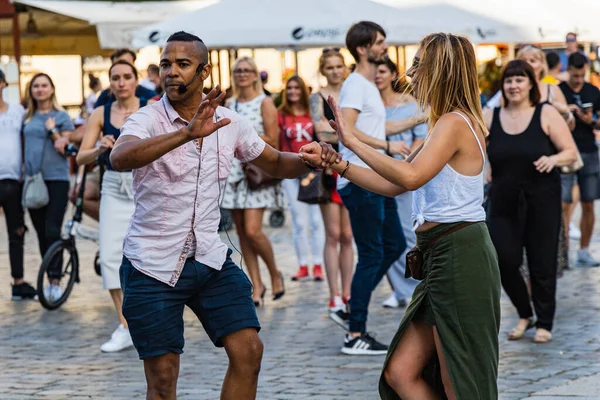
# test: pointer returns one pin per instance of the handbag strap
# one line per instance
(458, 227)
(43, 147)
(43, 152)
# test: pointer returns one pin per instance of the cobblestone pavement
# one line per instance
(55, 355)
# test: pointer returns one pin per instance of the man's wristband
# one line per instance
(387, 146)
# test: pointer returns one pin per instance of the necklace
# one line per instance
(518, 114)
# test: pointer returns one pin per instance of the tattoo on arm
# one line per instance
(316, 107)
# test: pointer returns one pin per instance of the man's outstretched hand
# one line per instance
(319, 155)
(203, 124)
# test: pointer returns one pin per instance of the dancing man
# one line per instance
(180, 150)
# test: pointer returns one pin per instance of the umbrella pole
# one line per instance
(296, 59)
(16, 34)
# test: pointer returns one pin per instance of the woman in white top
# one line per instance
(447, 342)
(248, 206)
(117, 206)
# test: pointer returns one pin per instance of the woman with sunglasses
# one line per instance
(447, 343)
(248, 206)
(339, 253)
(46, 132)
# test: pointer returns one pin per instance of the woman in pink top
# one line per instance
(296, 128)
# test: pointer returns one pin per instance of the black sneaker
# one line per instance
(340, 317)
(364, 345)
(23, 291)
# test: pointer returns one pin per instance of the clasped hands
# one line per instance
(322, 155)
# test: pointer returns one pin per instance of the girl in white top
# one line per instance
(454, 316)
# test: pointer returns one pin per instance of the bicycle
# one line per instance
(53, 264)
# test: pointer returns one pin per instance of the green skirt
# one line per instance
(460, 295)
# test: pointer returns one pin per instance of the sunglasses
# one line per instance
(331, 49)
(571, 40)
(239, 71)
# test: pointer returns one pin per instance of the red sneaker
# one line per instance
(302, 274)
(318, 272)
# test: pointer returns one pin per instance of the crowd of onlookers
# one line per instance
(541, 94)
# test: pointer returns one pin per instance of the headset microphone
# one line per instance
(183, 88)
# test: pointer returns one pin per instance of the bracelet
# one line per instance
(387, 146)
(569, 117)
(345, 169)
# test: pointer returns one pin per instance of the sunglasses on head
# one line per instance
(331, 49)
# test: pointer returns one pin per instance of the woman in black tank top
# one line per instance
(116, 206)
(527, 141)
(338, 232)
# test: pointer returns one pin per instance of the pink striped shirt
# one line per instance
(177, 197)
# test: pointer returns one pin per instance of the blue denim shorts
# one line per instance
(222, 301)
(587, 177)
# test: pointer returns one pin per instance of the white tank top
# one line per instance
(450, 197)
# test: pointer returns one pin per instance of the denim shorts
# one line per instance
(222, 301)
(588, 178)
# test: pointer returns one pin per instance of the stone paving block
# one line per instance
(55, 355)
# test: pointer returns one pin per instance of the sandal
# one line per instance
(517, 333)
(542, 336)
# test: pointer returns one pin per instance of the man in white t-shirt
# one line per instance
(374, 218)
(11, 120)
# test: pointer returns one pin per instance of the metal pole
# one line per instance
(16, 34)
(219, 68)
(296, 60)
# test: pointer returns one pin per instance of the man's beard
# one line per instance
(381, 60)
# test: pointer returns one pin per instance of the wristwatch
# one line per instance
(53, 131)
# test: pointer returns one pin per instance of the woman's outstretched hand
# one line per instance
(345, 134)
(319, 155)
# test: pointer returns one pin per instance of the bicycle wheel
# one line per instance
(61, 264)
(277, 219)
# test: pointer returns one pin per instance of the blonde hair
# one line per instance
(257, 84)
(326, 55)
(31, 103)
(446, 78)
(538, 54)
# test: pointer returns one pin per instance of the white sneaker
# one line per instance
(120, 339)
(393, 302)
(53, 292)
(584, 258)
(574, 232)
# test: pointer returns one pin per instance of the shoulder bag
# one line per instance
(316, 187)
(257, 177)
(35, 191)
(414, 258)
